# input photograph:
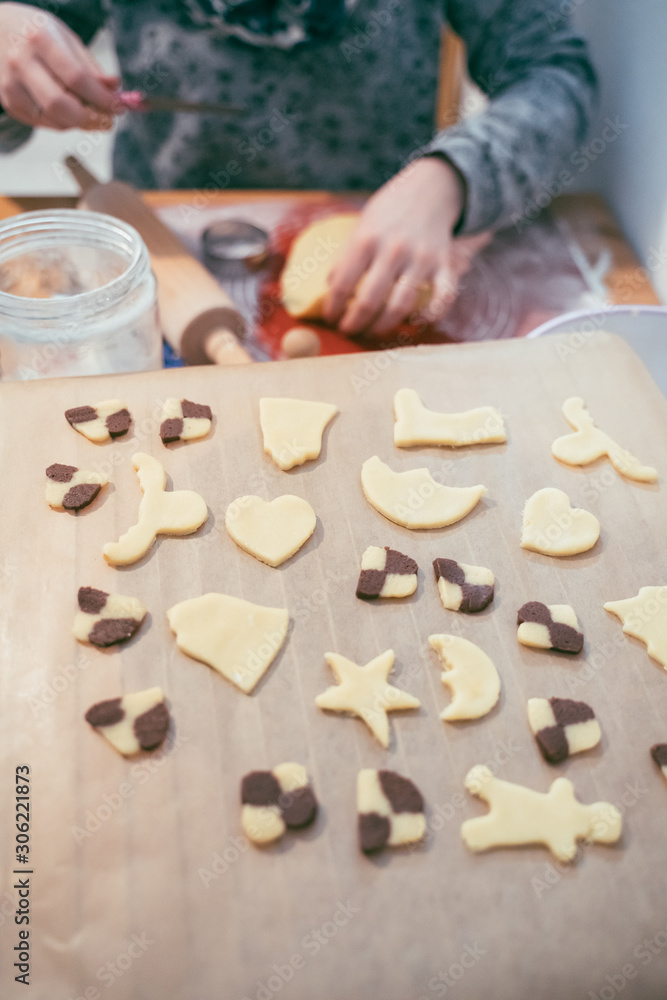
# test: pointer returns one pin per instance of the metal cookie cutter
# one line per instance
(233, 247)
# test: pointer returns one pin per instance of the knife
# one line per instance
(135, 100)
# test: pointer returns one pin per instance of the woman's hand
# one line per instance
(47, 76)
(402, 244)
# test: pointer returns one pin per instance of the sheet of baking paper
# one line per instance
(141, 883)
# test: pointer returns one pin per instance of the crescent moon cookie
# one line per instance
(238, 639)
(390, 808)
(271, 532)
(293, 429)
(415, 425)
(184, 421)
(589, 443)
(469, 674)
(160, 513)
(518, 815)
(132, 723)
(413, 499)
(549, 626)
(562, 727)
(553, 527)
(69, 488)
(644, 617)
(106, 619)
(273, 801)
(386, 573)
(462, 587)
(102, 422)
(365, 692)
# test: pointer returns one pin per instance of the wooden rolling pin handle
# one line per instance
(223, 348)
(213, 336)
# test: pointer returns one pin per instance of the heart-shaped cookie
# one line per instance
(551, 525)
(271, 532)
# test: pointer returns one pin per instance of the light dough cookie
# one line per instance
(184, 421)
(521, 816)
(555, 528)
(659, 754)
(469, 674)
(386, 573)
(462, 587)
(413, 499)
(589, 443)
(645, 618)
(549, 626)
(273, 801)
(102, 422)
(235, 637)
(160, 513)
(292, 429)
(302, 288)
(365, 692)
(105, 619)
(69, 488)
(415, 425)
(271, 532)
(135, 722)
(390, 808)
(562, 727)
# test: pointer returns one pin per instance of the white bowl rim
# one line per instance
(580, 315)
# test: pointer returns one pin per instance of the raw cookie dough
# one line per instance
(324, 242)
(413, 499)
(160, 513)
(235, 637)
(391, 810)
(588, 443)
(274, 800)
(462, 587)
(105, 619)
(555, 528)
(521, 816)
(549, 626)
(135, 722)
(365, 692)
(562, 727)
(415, 425)
(659, 754)
(469, 674)
(271, 532)
(645, 617)
(293, 429)
(184, 421)
(69, 488)
(386, 573)
(110, 419)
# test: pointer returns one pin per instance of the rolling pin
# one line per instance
(198, 319)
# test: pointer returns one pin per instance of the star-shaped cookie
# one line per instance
(365, 692)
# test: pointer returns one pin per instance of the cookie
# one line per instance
(415, 425)
(271, 532)
(469, 674)
(462, 587)
(549, 626)
(386, 573)
(238, 639)
(413, 499)
(562, 727)
(518, 816)
(391, 810)
(553, 527)
(106, 619)
(659, 754)
(184, 421)
(132, 723)
(69, 488)
(178, 513)
(365, 692)
(644, 617)
(102, 422)
(589, 443)
(292, 429)
(274, 801)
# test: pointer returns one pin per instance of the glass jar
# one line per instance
(77, 297)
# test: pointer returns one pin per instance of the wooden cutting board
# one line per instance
(142, 885)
